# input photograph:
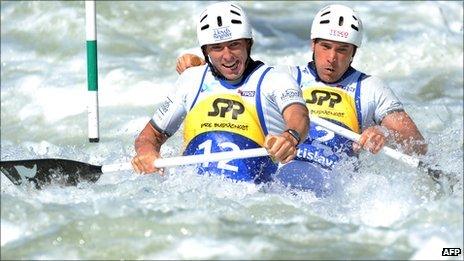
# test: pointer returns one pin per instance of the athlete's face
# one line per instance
(332, 59)
(229, 58)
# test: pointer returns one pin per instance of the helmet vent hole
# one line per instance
(219, 21)
(325, 21)
(204, 17)
(326, 13)
(354, 27)
(205, 27)
(354, 17)
(235, 13)
(236, 21)
(340, 21)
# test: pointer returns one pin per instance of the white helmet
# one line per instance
(337, 23)
(222, 22)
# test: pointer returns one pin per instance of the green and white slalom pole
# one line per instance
(92, 72)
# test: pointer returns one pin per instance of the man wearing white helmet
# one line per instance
(337, 92)
(230, 103)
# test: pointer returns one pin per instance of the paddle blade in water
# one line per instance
(447, 181)
(47, 171)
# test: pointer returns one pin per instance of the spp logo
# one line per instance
(318, 97)
(451, 251)
(222, 106)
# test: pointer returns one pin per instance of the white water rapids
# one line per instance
(385, 211)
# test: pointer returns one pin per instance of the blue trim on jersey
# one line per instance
(199, 88)
(298, 77)
(259, 107)
(312, 70)
(244, 80)
(357, 99)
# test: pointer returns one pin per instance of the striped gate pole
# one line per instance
(92, 72)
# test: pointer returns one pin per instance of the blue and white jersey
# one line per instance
(220, 116)
(356, 102)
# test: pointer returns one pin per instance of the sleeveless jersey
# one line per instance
(356, 102)
(219, 116)
(221, 119)
(334, 103)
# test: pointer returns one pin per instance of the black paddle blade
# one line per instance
(47, 171)
(446, 180)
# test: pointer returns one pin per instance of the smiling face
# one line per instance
(332, 59)
(229, 58)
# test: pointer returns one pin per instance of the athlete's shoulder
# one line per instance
(284, 68)
(191, 76)
(371, 79)
(293, 70)
(282, 87)
(194, 71)
(374, 88)
(281, 71)
(373, 83)
(278, 80)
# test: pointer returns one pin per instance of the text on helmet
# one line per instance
(221, 34)
(338, 33)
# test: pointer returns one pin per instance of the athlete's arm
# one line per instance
(296, 117)
(283, 146)
(372, 139)
(394, 126)
(165, 122)
(147, 147)
(404, 132)
(285, 95)
(188, 60)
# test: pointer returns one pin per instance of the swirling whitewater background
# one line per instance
(385, 211)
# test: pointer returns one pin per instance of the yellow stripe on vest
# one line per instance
(223, 112)
(332, 103)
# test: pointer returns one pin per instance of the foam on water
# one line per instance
(385, 211)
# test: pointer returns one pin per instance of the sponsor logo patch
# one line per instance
(246, 93)
(315, 156)
(290, 94)
(338, 33)
(222, 106)
(164, 107)
(320, 96)
(221, 34)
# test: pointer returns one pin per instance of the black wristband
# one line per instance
(295, 135)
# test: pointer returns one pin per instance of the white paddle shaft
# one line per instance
(258, 152)
(192, 159)
(355, 137)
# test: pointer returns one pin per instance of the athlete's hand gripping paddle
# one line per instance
(70, 172)
(437, 175)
